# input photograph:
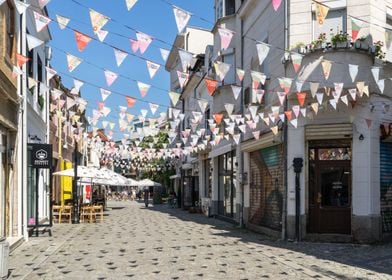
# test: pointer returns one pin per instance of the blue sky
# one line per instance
(153, 17)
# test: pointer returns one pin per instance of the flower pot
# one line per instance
(357, 44)
(364, 46)
(341, 45)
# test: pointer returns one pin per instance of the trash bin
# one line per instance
(4, 253)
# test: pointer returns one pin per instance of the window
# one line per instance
(335, 22)
(10, 28)
(230, 7)
(224, 8)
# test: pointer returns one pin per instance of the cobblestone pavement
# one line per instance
(162, 243)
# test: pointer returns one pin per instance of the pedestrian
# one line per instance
(146, 194)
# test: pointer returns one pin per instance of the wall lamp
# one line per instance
(361, 137)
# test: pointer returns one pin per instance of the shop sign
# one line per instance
(41, 156)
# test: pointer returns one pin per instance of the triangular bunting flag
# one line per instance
(240, 74)
(276, 4)
(321, 12)
(101, 34)
(211, 86)
(225, 35)
(356, 26)
(62, 21)
(43, 3)
(333, 103)
(320, 97)
(164, 53)
(50, 73)
(218, 118)
(174, 97)
(110, 77)
(368, 123)
(130, 101)
(186, 59)
(236, 91)
(203, 105)
(313, 88)
(144, 41)
(353, 93)
(182, 78)
(257, 79)
(281, 96)
(353, 69)
(299, 85)
(40, 21)
(182, 17)
(21, 59)
(229, 108)
(105, 94)
(81, 40)
(344, 99)
(262, 51)
(120, 56)
(296, 58)
(326, 65)
(130, 4)
(73, 62)
(134, 45)
(221, 69)
(285, 84)
(153, 108)
(152, 68)
(33, 42)
(97, 20)
(301, 96)
(376, 73)
(315, 107)
(143, 88)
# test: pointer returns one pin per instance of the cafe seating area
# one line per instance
(88, 213)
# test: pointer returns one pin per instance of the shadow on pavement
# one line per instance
(377, 258)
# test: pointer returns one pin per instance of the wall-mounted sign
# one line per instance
(41, 155)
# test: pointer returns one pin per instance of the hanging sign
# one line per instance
(41, 156)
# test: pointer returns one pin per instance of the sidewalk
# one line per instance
(162, 243)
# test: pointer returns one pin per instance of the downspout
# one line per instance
(285, 128)
(242, 224)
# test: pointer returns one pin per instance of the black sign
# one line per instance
(41, 155)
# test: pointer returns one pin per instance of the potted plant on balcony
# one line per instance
(320, 42)
(362, 43)
(376, 49)
(340, 40)
(299, 47)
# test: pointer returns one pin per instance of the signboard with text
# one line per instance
(41, 156)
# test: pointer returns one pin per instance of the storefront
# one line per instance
(386, 179)
(227, 174)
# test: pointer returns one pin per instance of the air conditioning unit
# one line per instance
(4, 253)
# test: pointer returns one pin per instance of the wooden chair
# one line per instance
(56, 212)
(66, 212)
(98, 211)
(86, 211)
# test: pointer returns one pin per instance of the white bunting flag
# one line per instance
(353, 93)
(120, 56)
(262, 51)
(381, 85)
(50, 73)
(338, 88)
(152, 68)
(97, 20)
(40, 21)
(174, 97)
(333, 103)
(296, 110)
(186, 59)
(143, 88)
(281, 96)
(256, 134)
(320, 97)
(203, 105)
(236, 138)
(236, 91)
(21, 6)
(101, 34)
(164, 53)
(73, 62)
(221, 69)
(253, 111)
(315, 107)
(326, 65)
(16, 71)
(353, 69)
(43, 3)
(105, 93)
(33, 42)
(240, 74)
(144, 41)
(296, 58)
(225, 35)
(376, 73)
(344, 99)
(299, 85)
(110, 77)
(130, 4)
(153, 108)
(313, 88)
(257, 78)
(62, 21)
(182, 78)
(294, 122)
(182, 18)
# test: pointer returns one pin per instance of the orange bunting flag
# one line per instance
(301, 96)
(218, 118)
(21, 59)
(289, 115)
(130, 101)
(211, 86)
(81, 40)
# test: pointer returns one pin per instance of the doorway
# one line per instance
(329, 188)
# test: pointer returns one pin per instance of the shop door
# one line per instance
(329, 196)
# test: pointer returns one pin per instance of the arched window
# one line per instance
(10, 28)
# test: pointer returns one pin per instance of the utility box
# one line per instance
(4, 253)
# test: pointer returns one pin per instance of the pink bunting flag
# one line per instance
(101, 34)
(144, 41)
(143, 88)
(276, 4)
(120, 56)
(225, 35)
(110, 77)
(134, 45)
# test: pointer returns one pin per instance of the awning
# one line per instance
(220, 150)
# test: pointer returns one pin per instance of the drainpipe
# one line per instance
(242, 224)
(285, 128)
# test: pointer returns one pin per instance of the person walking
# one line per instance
(146, 195)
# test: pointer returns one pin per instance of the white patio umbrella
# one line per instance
(83, 172)
(113, 178)
(133, 182)
(148, 183)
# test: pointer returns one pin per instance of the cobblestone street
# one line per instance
(161, 243)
